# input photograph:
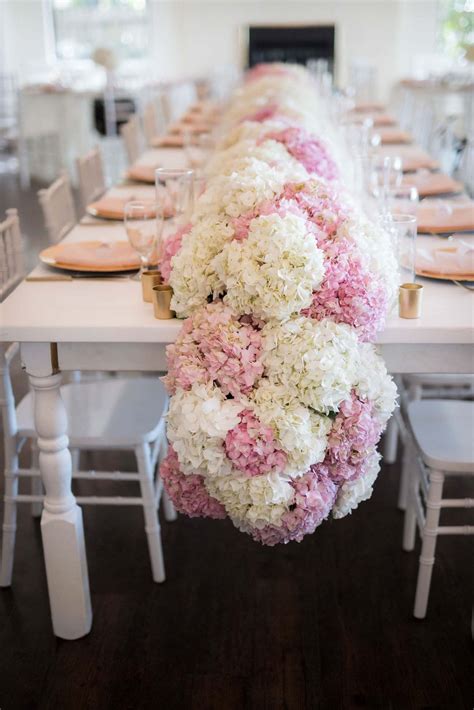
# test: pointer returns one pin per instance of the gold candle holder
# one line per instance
(161, 302)
(409, 300)
(149, 279)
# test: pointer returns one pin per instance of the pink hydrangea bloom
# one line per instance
(252, 448)
(319, 202)
(354, 432)
(349, 293)
(308, 150)
(188, 492)
(314, 498)
(214, 345)
(171, 247)
(261, 70)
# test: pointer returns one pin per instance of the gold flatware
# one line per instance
(68, 277)
(49, 278)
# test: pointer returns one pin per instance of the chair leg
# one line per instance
(409, 471)
(391, 441)
(75, 457)
(428, 547)
(409, 523)
(9, 530)
(36, 485)
(168, 508)
(152, 523)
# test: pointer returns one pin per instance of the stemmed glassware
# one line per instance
(140, 219)
(385, 174)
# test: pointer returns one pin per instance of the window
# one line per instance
(82, 26)
(457, 27)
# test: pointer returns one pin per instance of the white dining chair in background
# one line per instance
(441, 436)
(90, 171)
(115, 414)
(57, 204)
(132, 138)
(11, 253)
(412, 388)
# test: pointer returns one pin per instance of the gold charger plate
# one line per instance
(93, 257)
(444, 277)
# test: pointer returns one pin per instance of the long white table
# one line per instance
(104, 325)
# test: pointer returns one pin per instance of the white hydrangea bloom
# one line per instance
(251, 182)
(351, 493)
(198, 421)
(271, 152)
(301, 432)
(375, 384)
(317, 360)
(256, 501)
(250, 131)
(274, 271)
(192, 277)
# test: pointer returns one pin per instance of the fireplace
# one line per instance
(291, 44)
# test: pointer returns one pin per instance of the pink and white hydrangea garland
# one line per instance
(278, 399)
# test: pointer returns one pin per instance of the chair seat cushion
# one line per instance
(444, 432)
(111, 413)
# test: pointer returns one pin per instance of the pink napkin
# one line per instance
(429, 184)
(453, 258)
(439, 216)
(394, 135)
(413, 157)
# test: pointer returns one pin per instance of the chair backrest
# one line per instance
(177, 98)
(91, 176)
(8, 101)
(131, 134)
(59, 213)
(11, 253)
(11, 273)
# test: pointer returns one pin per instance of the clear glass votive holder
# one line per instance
(403, 199)
(410, 300)
(162, 295)
(402, 228)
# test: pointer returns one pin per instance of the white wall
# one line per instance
(24, 35)
(195, 37)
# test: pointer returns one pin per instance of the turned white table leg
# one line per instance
(61, 522)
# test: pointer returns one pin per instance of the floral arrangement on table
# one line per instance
(278, 397)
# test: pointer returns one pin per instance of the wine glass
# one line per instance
(140, 225)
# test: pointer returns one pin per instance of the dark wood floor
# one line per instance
(322, 624)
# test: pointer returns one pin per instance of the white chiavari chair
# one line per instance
(117, 414)
(412, 388)
(90, 171)
(57, 204)
(440, 433)
(132, 138)
(11, 253)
